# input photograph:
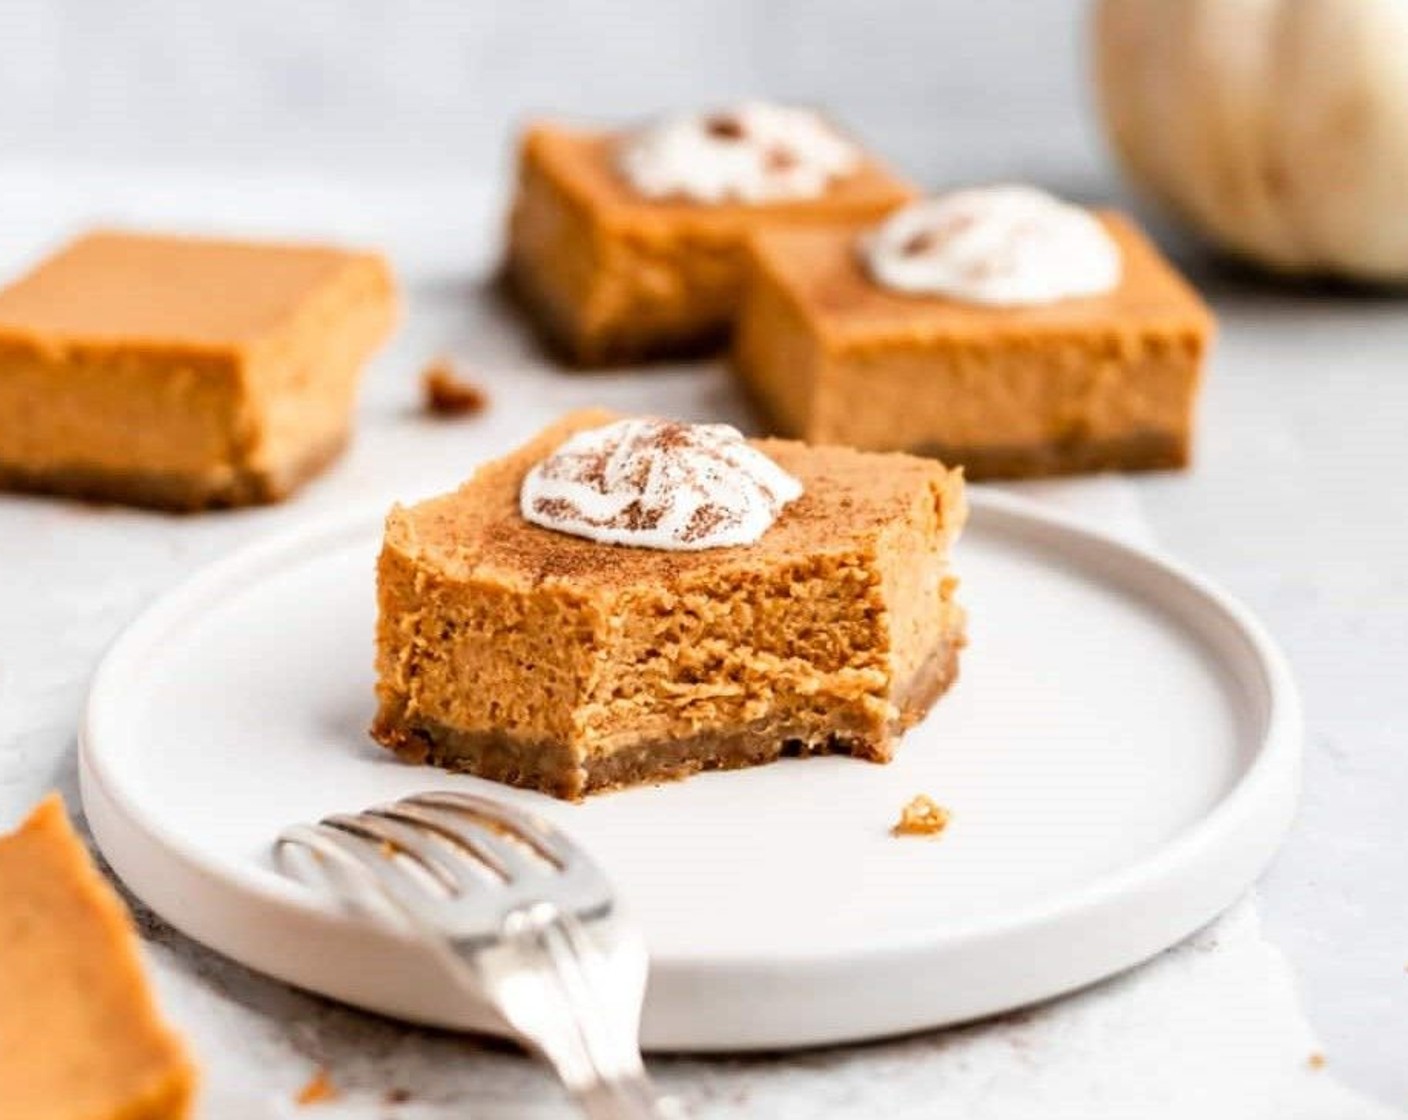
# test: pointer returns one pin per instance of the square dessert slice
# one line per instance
(80, 1036)
(1043, 382)
(613, 270)
(549, 660)
(184, 373)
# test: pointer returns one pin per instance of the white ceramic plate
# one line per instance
(1120, 757)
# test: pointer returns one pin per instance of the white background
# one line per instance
(1297, 503)
(370, 85)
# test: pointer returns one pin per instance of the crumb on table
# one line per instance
(318, 1089)
(923, 816)
(448, 392)
(398, 1095)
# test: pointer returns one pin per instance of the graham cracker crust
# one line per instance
(1072, 454)
(554, 768)
(1143, 451)
(171, 491)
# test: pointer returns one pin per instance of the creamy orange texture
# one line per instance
(185, 357)
(613, 275)
(148, 290)
(833, 356)
(489, 622)
(80, 1036)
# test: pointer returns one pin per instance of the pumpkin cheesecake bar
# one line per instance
(628, 601)
(997, 329)
(627, 245)
(80, 1035)
(184, 373)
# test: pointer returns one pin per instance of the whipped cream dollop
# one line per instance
(756, 152)
(1006, 245)
(658, 484)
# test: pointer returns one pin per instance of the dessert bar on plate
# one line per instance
(626, 601)
(627, 245)
(998, 329)
(184, 373)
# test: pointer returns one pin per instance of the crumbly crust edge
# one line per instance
(172, 491)
(555, 768)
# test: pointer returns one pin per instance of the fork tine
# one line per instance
(547, 946)
(378, 824)
(528, 826)
(364, 856)
(501, 855)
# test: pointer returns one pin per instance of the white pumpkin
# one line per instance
(1277, 127)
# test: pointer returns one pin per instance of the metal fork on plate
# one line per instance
(523, 919)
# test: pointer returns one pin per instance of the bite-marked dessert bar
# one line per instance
(541, 657)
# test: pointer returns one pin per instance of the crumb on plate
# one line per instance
(318, 1089)
(923, 816)
(1316, 1060)
(448, 392)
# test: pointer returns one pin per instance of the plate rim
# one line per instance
(1272, 771)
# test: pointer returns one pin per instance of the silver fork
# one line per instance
(522, 918)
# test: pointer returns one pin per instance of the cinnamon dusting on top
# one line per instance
(923, 816)
(1006, 245)
(927, 240)
(750, 153)
(447, 392)
(780, 159)
(722, 126)
(921, 242)
(658, 484)
(705, 520)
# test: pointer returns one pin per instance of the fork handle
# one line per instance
(633, 1098)
(558, 989)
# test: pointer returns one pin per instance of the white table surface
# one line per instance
(1295, 505)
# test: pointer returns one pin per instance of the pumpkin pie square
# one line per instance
(554, 662)
(1106, 382)
(80, 1034)
(610, 276)
(184, 373)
